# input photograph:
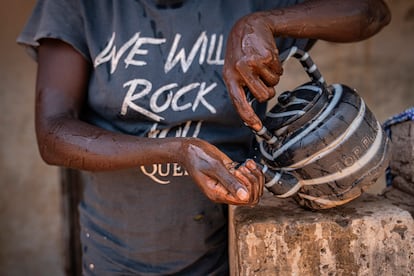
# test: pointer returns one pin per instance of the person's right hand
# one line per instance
(217, 176)
(252, 61)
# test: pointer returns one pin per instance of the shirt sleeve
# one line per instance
(58, 19)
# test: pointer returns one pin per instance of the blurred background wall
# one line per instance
(381, 69)
(30, 203)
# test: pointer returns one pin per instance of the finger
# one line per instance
(223, 173)
(256, 177)
(243, 107)
(257, 87)
(251, 181)
(237, 171)
(218, 193)
(215, 191)
(258, 173)
(269, 69)
(242, 174)
(269, 77)
(233, 185)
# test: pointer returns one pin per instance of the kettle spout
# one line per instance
(280, 183)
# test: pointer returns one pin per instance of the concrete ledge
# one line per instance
(369, 236)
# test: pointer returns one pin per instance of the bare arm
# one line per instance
(65, 140)
(251, 54)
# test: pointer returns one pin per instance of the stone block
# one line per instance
(369, 236)
(400, 198)
(401, 163)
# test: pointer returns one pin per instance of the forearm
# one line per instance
(252, 55)
(65, 140)
(72, 143)
(334, 20)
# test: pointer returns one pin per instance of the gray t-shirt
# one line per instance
(156, 73)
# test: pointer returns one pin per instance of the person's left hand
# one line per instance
(252, 61)
(218, 177)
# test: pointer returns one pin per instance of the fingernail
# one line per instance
(242, 194)
(251, 165)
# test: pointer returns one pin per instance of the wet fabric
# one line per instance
(157, 73)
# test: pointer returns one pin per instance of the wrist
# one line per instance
(260, 19)
(183, 151)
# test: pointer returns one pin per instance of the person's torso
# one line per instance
(157, 73)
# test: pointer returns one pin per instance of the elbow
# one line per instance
(47, 138)
(47, 155)
(46, 151)
(374, 15)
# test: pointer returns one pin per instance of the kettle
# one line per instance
(320, 143)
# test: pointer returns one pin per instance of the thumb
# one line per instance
(232, 184)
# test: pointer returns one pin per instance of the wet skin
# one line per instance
(65, 140)
(251, 60)
(252, 56)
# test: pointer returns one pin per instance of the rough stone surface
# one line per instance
(400, 198)
(369, 236)
(401, 193)
(402, 164)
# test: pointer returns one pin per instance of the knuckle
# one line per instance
(240, 65)
(269, 55)
(255, 60)
(227, 73)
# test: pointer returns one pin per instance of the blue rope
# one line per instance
(406, 115)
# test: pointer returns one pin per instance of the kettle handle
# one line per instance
(307, 63)
(312, 71)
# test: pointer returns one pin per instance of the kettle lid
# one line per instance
(296, 108)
